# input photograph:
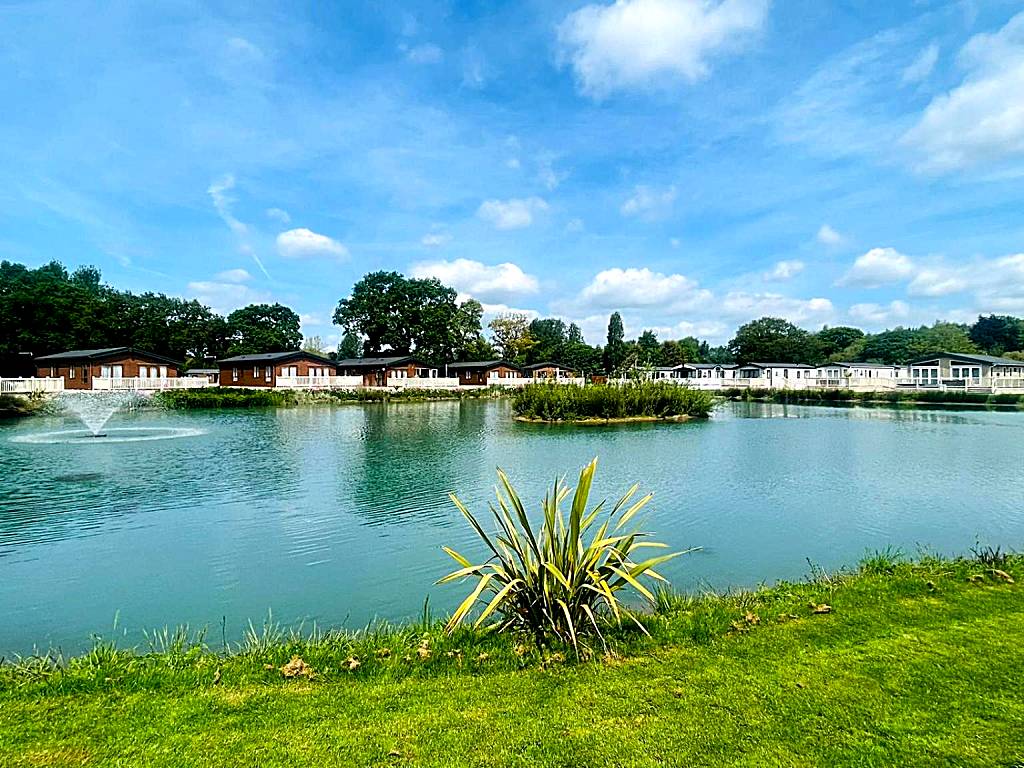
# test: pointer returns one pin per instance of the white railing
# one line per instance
(414, 382)
(319, 382)
(149, 384)
(507, 382)
(28, 386)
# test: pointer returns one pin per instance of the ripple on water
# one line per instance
(112, 435)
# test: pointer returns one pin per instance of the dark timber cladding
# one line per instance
(470, 373)
(78, 367)
(377, 370)
(262, 370)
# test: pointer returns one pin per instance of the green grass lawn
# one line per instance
(915, 664)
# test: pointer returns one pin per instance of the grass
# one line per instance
(646, 400)
(410, 394)
(217, 397)
(899, 397)
(899, 663)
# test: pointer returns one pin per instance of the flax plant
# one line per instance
(562, 579)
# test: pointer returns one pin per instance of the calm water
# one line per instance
(338, 515)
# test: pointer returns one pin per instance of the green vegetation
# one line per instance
(899, 663)
(897, 397)
(408, 394)
(549, 582)
(632, 400)
(19, 405)
(218, 397)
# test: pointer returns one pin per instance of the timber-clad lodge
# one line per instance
(125, 368)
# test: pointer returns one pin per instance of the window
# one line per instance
(255, 371)
(163, 371)
(798, 374)
(267, 372)
(234, 374)
(71, 372)
(53, 372)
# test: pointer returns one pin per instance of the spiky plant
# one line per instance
(562, 580)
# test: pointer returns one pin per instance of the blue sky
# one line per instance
(692, 163)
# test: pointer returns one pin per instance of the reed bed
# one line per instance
(610, 402)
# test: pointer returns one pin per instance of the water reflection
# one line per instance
(328, 513)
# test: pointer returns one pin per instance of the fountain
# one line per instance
(94, 410)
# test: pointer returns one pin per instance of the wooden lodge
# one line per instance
(92, 368)
(485, 373)
(273, 369)
(548, 370)
(386, 371)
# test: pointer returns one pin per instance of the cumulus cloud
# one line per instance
(487, 283)
(982, 119)
(233, 276)
(514, 213)
(649, 202)
(225, 296)
(743, 306)
(304, 243)
(937, 281)
(828, 236)
(786, 269)
(922, 66)
(279, 215)
(630, 288)
(435, 239)
(637, 43)
(878, 314)
(877, 267)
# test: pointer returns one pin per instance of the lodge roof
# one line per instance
(276, 357)
(536, 366)
(970, 358)
(107, 353)
(377, 362)
(481, 364)
(776, 365)
(708, 366)
(856, 365)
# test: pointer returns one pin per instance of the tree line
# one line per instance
(48, 309)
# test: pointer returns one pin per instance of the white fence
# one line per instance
(319, 382)
(143, 385)
(423, 383)
(28, 386)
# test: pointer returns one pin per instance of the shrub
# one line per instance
(214, 397)
(570, 402)
(548, 581)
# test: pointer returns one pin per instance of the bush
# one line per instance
(549, 581)
(650, 399)
(216, 397)
(896, 396)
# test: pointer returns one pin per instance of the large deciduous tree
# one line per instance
(510, 333)
(615, 350)
(771, 340)
(996, 334)
(263, 328)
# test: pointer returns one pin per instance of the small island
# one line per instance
(603, 403)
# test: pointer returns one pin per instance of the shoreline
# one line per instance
(678, 419)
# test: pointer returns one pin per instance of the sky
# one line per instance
(694, 164)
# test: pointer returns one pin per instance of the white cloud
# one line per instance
(631, 288)
(243, 47)
(878, 314)
(225, 297)
(786, 269)
(426, 53)
(233, 276)
(742, 306)
(828, 236)
(513, 163)
(511, 214)
(575, 225)
(311, 318)
(921, 67)
(436, 239)
(637, 43)
(649, 202)
(982, 119)
(495, 284)
(279, 215)
(936, 282)
(219, 191)
(877, 267)
(303, 243)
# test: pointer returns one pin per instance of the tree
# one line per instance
(263, 328)
(833, 340)
(718, 356)
(891, 347)
(349, 347)
(574, 335)
(314, 344)
(771, 340)
(615, 349)
(397, 314)
(941, 337)
(648, 349)
(477, 350)
(549, 336)
(510, 333)
(679, 351)
(996, 334)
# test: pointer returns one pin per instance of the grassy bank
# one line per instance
(216, 397)
(21, 405)
(643, 400)
(895, 664)
(896, 397)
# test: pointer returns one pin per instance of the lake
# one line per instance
(337, 515)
